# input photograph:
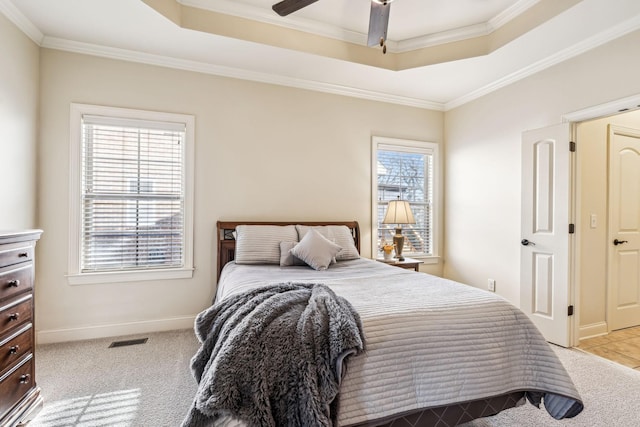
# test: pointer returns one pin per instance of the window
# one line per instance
(406, 170)
(131, 195)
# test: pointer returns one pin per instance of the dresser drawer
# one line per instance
(17, 312)
(15, 253)
(14, 346)
(15, 384)
(15, 279)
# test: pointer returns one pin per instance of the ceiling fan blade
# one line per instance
(286, 7)
(378, 22)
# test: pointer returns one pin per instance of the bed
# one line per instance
(439, 353)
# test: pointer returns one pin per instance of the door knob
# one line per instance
(525, 242)
(619, 242)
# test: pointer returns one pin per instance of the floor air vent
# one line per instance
(128, 342)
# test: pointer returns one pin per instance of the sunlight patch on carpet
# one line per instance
(117, 408)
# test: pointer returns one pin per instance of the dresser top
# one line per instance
(10, 236)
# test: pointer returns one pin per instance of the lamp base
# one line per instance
(398, 241)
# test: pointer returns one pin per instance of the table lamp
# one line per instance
(399, 212)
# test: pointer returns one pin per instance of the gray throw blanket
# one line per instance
(273, 356)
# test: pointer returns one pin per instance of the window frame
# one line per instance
(407, 145)
(74, 274)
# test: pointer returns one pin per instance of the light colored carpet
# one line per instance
(90, 385)
(610, 393)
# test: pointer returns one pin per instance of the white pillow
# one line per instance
(286, 257)
(339, 234)
(260, 244)
(315, 250)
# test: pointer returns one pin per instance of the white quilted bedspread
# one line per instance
(430, 341)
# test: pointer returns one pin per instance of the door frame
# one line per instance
(599, 111)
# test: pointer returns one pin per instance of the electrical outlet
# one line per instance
(594, 221)
(492, 285)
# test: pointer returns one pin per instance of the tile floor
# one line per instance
(621, 346)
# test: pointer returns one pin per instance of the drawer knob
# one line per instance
(14, 283)
(14, 349)
(14, 316)
(23, 254)
(24, 379)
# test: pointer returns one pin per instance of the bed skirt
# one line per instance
(451, 415)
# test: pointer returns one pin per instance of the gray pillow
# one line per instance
(260, 244)
(315, 250)
(286, 257)
(339, 234)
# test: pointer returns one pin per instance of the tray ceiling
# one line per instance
(441, 53)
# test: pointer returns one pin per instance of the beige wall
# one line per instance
(18, 121)
(276, 153)
(482, 157)
(592, 156)
(262, 152)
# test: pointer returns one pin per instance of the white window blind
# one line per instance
(133, 194)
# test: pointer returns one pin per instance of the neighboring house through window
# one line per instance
(406, 170)
(131, 195)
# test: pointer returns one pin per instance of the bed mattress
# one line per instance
(431, 342)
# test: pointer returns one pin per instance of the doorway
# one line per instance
(587, 275)
(599, 295)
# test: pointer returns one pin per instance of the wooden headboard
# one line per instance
(227, 243)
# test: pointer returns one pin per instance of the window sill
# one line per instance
(129, 276)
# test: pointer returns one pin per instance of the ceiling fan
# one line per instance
(378, 19)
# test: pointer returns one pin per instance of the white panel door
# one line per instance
(624, 228)
(545, 245)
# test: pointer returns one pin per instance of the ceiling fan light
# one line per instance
(384, 2)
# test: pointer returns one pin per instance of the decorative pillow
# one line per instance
(260, 244)
(286, 257)
(339, 234)
(315, 250)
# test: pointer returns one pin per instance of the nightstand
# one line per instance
(408, 263)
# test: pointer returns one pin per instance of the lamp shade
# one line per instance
(399, 212)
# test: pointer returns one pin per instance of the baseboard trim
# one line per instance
(113, 330)
(593, 330)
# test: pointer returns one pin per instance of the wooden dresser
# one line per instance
(19, 395)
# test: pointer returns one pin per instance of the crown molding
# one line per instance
(610, 108)
(19, 20)
(603, 37)
(15, 16)
(236, 73)
(511, 13)
(298, 23)
(450, 36)
(163, 61)
(464, 33)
